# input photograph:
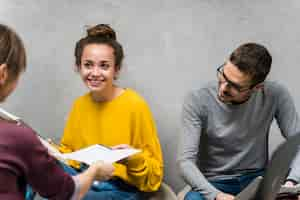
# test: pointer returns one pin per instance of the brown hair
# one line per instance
(100, 34)
(12, 51)
(252, 59)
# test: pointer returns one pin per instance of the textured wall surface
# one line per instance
(171, 47)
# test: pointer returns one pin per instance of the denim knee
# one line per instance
(193, 195)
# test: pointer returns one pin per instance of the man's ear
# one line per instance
(259, 86)
(3, 74)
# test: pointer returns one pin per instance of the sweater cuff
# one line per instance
(120, 171)
(136, 161)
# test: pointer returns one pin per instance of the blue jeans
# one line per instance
(108, 190)
(30, 194)
(231, 186)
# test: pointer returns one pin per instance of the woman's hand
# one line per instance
(104, 171)
(121, 146)
(97, 171)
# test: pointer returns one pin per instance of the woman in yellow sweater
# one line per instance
(113, 116)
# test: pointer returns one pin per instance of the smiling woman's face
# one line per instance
(97, 68)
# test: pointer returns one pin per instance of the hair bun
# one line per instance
(102, 30)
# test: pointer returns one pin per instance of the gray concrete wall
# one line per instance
(171, 46)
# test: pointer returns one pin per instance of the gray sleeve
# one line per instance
(189, 147)
(295, 168)
(289, 125)
(75, 194)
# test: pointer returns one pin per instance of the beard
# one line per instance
(227, 98)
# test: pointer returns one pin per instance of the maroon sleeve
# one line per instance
(41, 170)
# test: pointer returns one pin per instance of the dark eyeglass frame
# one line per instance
(236, 87)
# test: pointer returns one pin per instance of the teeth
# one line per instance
(95, 80)
(92, 82)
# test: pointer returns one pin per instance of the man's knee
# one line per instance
(192, 195)
(111, 195)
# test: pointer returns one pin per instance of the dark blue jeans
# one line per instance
(29, 193)
(107, 190)
(231, 186)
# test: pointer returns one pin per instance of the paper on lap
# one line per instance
(98, 152)
(91, 154)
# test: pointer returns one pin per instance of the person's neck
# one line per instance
(107, 95)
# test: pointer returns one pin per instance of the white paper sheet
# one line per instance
(97, 152)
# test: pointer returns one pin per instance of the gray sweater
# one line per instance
(221, 141)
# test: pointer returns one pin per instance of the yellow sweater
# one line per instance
(124, 120)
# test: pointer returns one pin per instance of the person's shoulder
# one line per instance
(274, 88)
(83, 99)
(19, 135)
(133, 96)
(206, 91)
(134, 99)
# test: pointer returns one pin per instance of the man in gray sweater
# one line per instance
(226, 123)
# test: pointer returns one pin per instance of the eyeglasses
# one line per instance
(235, 87)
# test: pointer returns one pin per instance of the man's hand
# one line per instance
(224, 196)
(290, 184)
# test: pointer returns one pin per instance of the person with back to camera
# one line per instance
(226, 123)
(23, 158)
(112, 116)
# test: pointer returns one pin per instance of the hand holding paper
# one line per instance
(104, 170)
(93, 153)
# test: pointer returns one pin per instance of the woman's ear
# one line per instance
(117, 72)
(3, 74)
(76, 68)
